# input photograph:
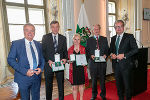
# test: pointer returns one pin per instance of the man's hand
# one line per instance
(70, 62)
(104, 56)
(37, 71)
(50, 63)
(92, 56)
(113, 56)
(64, 61)
(30, 72)
(120, 56)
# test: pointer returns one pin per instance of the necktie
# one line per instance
(55, 43)
(117, 44)
(97, 43)
(33, 56)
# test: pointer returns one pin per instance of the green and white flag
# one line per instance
(83, 26)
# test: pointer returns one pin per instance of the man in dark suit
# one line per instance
(26, 58)
(53, 43)
(97, 69)
(123, 46)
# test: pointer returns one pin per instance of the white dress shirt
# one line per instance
(29, 53)
(96, 37)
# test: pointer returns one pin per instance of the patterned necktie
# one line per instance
(33, 56)
(97, 43)
(55, 43)
(117, 44)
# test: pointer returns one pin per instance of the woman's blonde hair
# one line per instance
(76, 35)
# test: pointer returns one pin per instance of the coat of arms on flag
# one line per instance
(83, 26)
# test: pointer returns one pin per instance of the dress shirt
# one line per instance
(96, 37)
(56, 37)
(29, 53)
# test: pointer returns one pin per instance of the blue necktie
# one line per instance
(117, 44)
(33, 56)
(55, 43)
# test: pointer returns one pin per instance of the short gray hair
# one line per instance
(28, 24)
(99, 26)
(119, 21)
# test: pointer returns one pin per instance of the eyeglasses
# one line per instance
(118, 27)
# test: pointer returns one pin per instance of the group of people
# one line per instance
(29, 58)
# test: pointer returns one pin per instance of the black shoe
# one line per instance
(104, 98)
(121, 98)
(93, 98)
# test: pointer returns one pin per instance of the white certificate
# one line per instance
(81, 59)
(57, 57)
(97, 53)
(72, 57)
(102, 59)
(57, 68)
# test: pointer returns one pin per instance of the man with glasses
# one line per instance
(123, 46)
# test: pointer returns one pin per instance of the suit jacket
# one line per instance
(18, 60)
(127, 46)
(48, 47)
(91, 46)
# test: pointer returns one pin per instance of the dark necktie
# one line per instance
(117, 44)
(55, 43)
(97, 43)
(33, 56)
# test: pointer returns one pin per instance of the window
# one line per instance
(111, 17)
(19, 12)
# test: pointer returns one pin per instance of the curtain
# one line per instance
(62, 11)
(6, 72)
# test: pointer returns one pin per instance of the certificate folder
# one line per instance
(99, 59)
(81, 60)
(57, 66)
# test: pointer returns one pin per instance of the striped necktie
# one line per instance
(33, 56)
(55, 44)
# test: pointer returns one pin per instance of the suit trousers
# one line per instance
(98, 70)
(49, 82)
(32, 86)
(123, 82)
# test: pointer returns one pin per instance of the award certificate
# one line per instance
(57, 66)
(72, 57)
(81, 60)
(57, 57)
(97, 56)
(102, 59)
(97, 53)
